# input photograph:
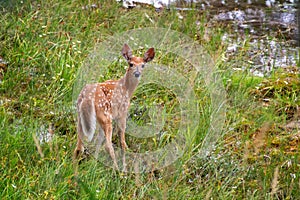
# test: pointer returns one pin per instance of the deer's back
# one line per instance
(109, 98)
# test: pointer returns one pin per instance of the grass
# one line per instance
(45, 43)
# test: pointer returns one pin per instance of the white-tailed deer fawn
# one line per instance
(107, 101)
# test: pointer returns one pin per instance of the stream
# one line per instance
(269, 26)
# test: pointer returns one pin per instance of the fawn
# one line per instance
(107, 101)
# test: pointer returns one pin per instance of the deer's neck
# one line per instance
(129, 83)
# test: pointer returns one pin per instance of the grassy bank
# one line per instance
(45, 43)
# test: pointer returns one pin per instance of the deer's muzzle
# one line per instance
(137, 74)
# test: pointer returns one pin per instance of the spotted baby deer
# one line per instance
(107, 101)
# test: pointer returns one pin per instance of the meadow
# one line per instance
(43, 46)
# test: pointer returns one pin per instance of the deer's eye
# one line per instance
(143, 65)
(130, 64)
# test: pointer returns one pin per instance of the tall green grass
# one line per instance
(45, 44)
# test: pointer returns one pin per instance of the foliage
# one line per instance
(44, 44)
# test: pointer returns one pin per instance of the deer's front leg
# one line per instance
(121, 132)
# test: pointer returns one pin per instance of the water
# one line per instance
(270, 26)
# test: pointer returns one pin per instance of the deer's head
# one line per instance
(136, 64)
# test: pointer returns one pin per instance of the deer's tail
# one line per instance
(87, 118)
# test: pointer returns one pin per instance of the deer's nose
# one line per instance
(137, 74)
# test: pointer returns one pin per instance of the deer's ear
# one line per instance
(149, 55)
(126, 52)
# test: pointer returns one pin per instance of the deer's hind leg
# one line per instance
(79, 146)
(99, 141)
(107, 128)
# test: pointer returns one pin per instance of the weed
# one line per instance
(44, 44)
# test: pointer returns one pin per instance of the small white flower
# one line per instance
(293, 175)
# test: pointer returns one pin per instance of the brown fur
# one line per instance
(104, 102)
